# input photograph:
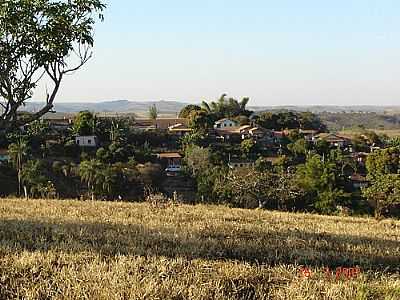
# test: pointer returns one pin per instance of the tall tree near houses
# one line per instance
(41, 40)
(153, 112)
(90, 173)
(19, 151)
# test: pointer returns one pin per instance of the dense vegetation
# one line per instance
(81, 250)
(288, 173)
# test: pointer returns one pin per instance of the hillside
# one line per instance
(119, 106)
(100, 250)
(176, 106)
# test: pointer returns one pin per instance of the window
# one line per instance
(78, 142)
(230, 124)
(89, 141)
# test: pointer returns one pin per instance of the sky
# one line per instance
(277, 52)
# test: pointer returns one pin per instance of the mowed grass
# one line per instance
(99, 250)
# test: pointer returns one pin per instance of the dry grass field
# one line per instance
(391, 133)
(100, 250)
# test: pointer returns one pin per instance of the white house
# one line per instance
(224, 123)
(240, 164)
(86, 140)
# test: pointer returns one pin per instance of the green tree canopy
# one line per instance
(39, 39)
(153, 112)
(85, 123)
(227, 107)
(184, 113)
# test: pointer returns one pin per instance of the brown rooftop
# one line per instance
(169, 155)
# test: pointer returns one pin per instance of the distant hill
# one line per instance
(331, 108)
(173, 107)
(120, 106)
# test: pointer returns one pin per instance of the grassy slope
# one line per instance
(99, 250)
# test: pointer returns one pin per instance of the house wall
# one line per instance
(225, 124)
(86, 141)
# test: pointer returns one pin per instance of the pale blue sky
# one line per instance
(276, 52)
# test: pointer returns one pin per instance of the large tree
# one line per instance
(227, 107)
(41, 39)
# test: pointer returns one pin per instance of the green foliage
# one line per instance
(153, 112)
(226, 108)
(188, 109)
(250, 188)
(322, 147)
(197, 159)
(109, 181)
(19, 153)
(383, 173)
(382, 162)
(151, 174)
(200, 120)
(394, 142)
(299, 148)
(247, 147)
(319, 178)
(384, 192)
(39, 39)
(194, 138)
(85, 123)
(290, 120)
(89, 171)
(37, 180)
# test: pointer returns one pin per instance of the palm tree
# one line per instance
(206, 107)
(224, 107)
(153, 112)
(108, 178)
(18, 152)
(90, 172)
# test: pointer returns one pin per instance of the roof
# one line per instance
(331, 137)
(256, 129)
(223, 120)
(358, 178)
(279, 133)
(162, 123)
(169, 155)
(86, 136)
(179, 127)
(308, 131)
(228, 130)
(244, 127)
(272, 159)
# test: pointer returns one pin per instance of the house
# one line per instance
(61, 124)
(224, 123)
(4, 157)
(159, 123)
(360, 157)
(235, 164)
(86, 140)
(227, 133)
(179, 129)
(358, 181)
(309, 135)
(334, 140)
(173, 161)
(248, 131)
